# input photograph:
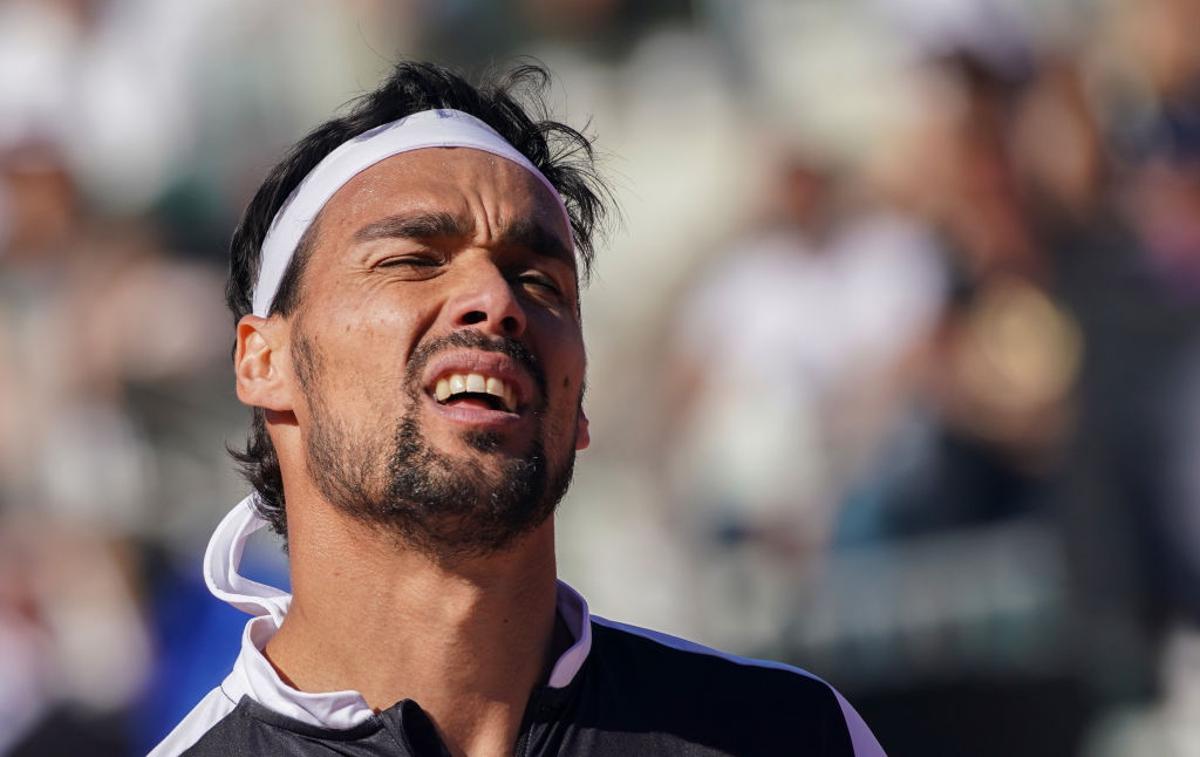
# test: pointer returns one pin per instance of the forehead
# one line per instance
(467, 183)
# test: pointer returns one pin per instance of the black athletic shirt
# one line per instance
(618, 690)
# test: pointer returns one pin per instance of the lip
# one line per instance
(495, 364)
(476, 417)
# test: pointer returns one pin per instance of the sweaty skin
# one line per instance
(413, 249)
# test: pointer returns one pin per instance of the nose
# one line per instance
(485, 300)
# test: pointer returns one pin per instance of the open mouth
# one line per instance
(476, 390)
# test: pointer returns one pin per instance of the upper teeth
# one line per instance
(461, 383)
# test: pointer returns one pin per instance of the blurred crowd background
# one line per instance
(894, 355)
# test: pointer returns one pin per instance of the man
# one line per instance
(408, 335)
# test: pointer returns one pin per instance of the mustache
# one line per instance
(477, 340)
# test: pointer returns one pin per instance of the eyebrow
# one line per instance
(416, 226)
(535, 237)
(523, 233)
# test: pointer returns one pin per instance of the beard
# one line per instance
(449, 507)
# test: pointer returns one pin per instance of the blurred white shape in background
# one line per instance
(132, 109)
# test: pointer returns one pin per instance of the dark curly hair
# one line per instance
(512, 103)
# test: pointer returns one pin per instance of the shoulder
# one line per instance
(662, 661)
(220, 727)
(214, 708)
(741, 704)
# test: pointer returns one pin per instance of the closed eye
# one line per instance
(409, 261)
(540, 280)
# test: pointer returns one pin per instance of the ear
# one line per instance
(582, 437)
(260, 364)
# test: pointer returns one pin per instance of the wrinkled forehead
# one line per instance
(468, 184)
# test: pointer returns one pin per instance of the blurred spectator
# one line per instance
(998, 376)
(780, 386)
(91, 310)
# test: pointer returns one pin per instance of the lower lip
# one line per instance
(478, 417)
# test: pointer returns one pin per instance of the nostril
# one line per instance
(509, 325)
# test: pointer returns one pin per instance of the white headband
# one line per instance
(430, 128)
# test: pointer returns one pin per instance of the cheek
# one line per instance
(562, 352)
(567, 376)
(366, 353)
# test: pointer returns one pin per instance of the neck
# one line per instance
(468, 642)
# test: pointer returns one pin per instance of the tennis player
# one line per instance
(406, 288)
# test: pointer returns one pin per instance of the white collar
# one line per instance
(254, 676)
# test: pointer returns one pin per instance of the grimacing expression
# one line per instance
(438, 348)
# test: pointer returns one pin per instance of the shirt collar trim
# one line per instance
(254, 676)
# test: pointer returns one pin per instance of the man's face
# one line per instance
(438, 348)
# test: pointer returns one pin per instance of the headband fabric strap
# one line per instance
(430, 128)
